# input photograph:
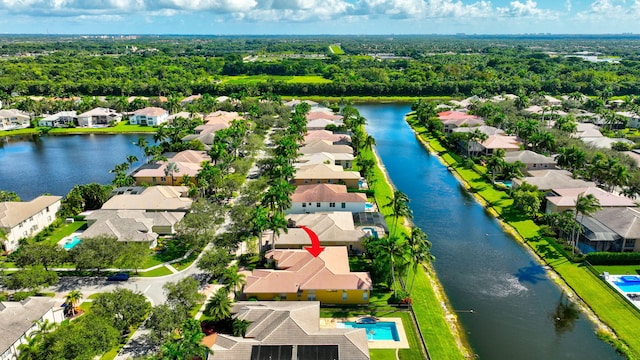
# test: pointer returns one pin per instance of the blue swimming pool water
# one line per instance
(368, 206)
(385, 330)
(71, 244)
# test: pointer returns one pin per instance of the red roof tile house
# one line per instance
(299, 276)
(325, 197)
(188, 162)
(454, 119)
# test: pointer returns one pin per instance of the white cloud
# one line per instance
(524, 9)
(602, 8)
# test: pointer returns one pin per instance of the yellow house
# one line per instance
(188, 162)
(326, 174)
(301, 277)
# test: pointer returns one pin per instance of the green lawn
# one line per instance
(336, 49)
(161, 271)
(619, 269)
(610, 307)
(121, 127)
(64, 231)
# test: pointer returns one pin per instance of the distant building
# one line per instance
(149, 116)
(11, 119)
(99, 117)
(21, 219)
(60, 119)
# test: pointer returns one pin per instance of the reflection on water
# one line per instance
(480, 267)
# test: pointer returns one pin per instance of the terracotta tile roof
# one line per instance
(326, 193)
(299, 270)
(325, 135)
(324, 171)
(501, 142)
(456, 115)
(314, 115)
(153, 198)
(327, 146)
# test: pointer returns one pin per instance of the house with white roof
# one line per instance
(530, 159)
(60, 119)
(11, 119)
(633, 119)
(149, 116)
(561, 200)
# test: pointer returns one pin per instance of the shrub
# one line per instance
(611, 258)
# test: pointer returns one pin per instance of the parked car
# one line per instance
(118, 277)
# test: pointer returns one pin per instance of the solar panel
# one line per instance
(271, 352)
(318, 352)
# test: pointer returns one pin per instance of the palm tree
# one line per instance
(240, 327)
(142, 143)
(392, 251)
(131, 159)
(72, 300)
(399, 205)
(233, 280)
(585, 205)
(219, 306)
(170, 169)
(188, 346)
(44, 327)
(420, 252)
(496, 163)
(29, 348)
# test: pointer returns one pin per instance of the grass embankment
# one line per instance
(120, 128)
(438, 334)
(606, 304)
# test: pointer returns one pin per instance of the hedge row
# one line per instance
(611, 258)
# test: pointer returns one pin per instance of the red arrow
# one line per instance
(315, 249)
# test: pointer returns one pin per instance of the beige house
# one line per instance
(325, 197)
(19, 320)
(326, 174)
(300, 276)
(188, 162)
(546, 180)
(99, 117)
(11, 119)
(21, 219)
(289, 328)
(131, 225)
(317, 146)
(530, 160)
(335, 228)
(337, 139)
(565, 199)
(341, 159)
(152, 199)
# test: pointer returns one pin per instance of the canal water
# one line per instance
(34, 165)
(482, 269)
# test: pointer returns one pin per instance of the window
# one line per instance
(311, 296)
(535, 165)
(365, 296)
(317, 204)
(304, 205)
(344, 296)
(332, 205)
(163, 179)
(343, 205)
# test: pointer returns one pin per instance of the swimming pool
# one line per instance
(71, 243)
(628, 283)
(368, 206)
(384, 330)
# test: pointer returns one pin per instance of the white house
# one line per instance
(633, 119)
(99, 117)
(14, 119)
(23, 219)
(150, 116)
(19, 319)
(61, 119)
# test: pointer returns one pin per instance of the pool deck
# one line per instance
(611, 279)
(332, 323)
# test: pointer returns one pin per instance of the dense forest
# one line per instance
(419, 66)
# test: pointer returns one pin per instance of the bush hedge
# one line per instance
(611, 258)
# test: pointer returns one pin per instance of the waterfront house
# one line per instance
(336, 228)
(326, 174)
(336, 139)
(341, 159)
(615, 229)
(530, 160)
(495, 142)
(293, 103)
(59, 120)
(549, 179)
(11, 119)
(20, 319)
(99, 117)
(149, 116)
(321, 124)
(22, 219)
(151, 199)
(325, 197)
(454, 119)
(565, 199)
(188, 162)
(287, 330)
(299, 276)
(323, 114)
(317, 146)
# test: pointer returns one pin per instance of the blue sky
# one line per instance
(222, 17)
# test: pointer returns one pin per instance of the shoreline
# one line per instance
(449, 315)
(508, 229)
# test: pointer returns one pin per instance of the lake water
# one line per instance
(480, 267)
(54, 164)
